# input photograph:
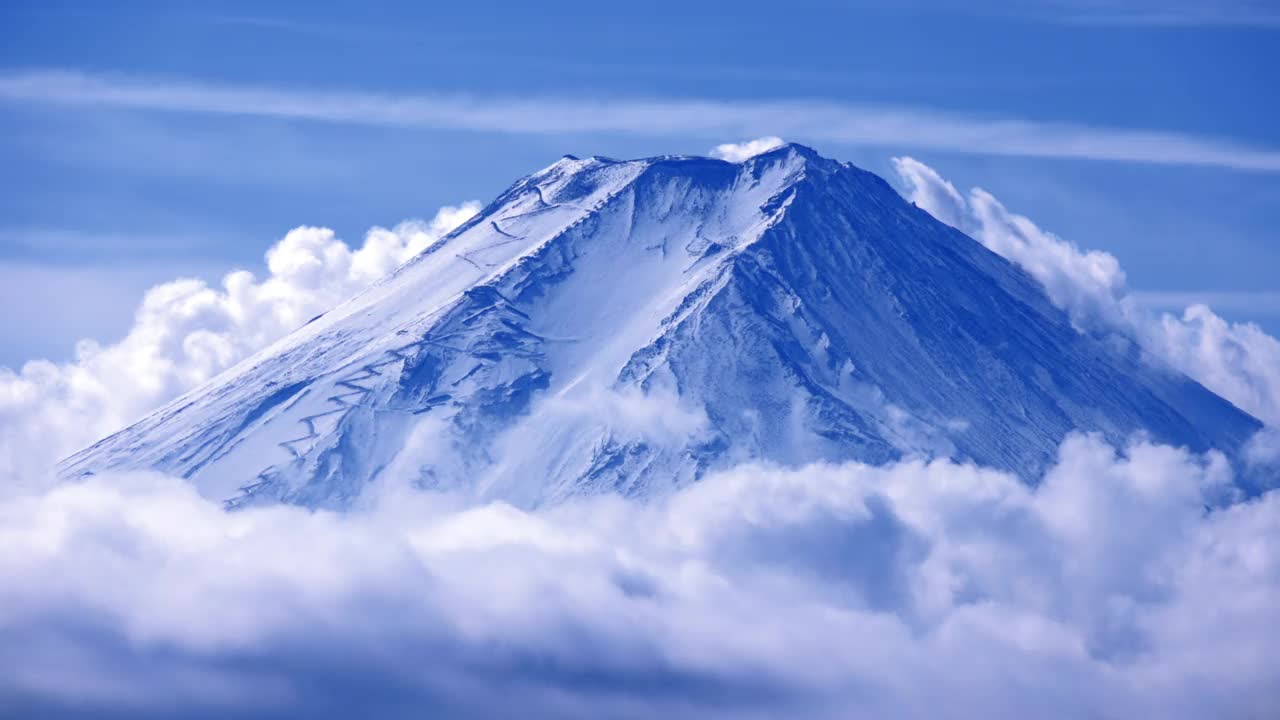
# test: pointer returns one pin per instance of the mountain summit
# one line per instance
(607, 325)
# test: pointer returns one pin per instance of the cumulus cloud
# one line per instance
(1088, 284)
(185, 332)
(908, 590)
(737, 152)
(1238, 361)
(1264, 448)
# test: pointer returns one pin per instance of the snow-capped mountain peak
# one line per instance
(633, 325)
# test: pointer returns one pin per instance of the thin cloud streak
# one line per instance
(1186, 14)
(819, 121)
(1181, 13)
(1262, 302)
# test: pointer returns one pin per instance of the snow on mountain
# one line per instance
(630, 326)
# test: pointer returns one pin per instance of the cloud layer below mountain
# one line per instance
(910, 590)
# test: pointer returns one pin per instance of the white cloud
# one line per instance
(932, 192)
(1238, 361)
(184, 333)
(1086, 284)
(737, 152)
(925, 589)
(809, 120)
(1264, 448)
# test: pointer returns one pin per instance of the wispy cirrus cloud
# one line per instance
(1261, 302)
(813, 120)
(1128, 13)
(1242, 13)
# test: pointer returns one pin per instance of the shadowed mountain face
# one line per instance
(632, 326)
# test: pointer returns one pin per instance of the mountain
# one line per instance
(630, 326)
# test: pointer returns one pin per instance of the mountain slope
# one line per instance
(632, 325)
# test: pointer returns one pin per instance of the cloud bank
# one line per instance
(811, 120)
(912, 590)
(184, 333)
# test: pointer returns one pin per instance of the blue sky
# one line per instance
(145, 140)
